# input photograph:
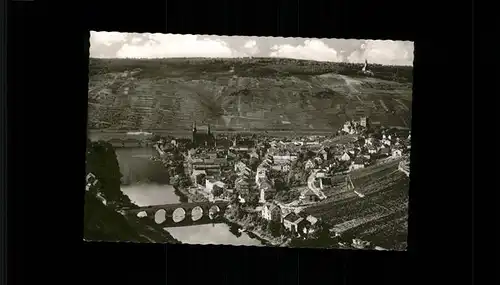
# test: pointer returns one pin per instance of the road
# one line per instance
(310, 183)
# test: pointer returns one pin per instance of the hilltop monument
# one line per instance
(365, 69)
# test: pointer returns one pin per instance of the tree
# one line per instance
(217, 191)
(263, 224)
(254, 163)
(234, 199)
(280, 185)
(268, 195)
(274, 228)
(200, 178)
(309, 154)
(283, 231)
(175, 180)
(103, 163)
(251, 198)
(156, 138)
(320, 231)
(184, 182)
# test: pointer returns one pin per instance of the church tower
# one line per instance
(194, 132)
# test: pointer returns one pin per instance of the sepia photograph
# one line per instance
(248, 141)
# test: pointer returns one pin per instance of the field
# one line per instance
(381, 216)
(265, 94)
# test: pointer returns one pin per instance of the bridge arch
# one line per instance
(214, 211)
(178, 215)
(197, 213)
(160, 216)
(142, 214)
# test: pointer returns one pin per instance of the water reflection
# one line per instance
(145, 186)
(212, 234)
(160, 216)
(150, 194)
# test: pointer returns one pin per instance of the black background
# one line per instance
(48, 52)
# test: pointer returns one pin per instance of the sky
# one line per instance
(145, 45)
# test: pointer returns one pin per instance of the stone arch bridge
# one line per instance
(182, 214)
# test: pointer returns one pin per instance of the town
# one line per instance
(299, 190)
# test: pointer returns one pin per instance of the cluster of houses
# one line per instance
(212, 167)
(262, 179)
(353, 127)
(363, 152)
(243, 183)
(205, 169)
(299, 224)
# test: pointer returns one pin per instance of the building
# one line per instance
(210, 183)
(242, 145)
(293, 222)
(310, 221)
(347, 127)
(261, 173)
(364, 122)
(205, 166)
(309, 164)
(375, 124)
(323, 154)
(345, 157)
(283, 158)
(396, 153)
(281, 167)
(309, 196)
(271, 212)
(223, 143)
(91, 181)
(240, 167)
(286, 167)
(357, 164)
(254, 154)
(266, 190)
(242, 185)
(385, 151)
(197, 176)
(369, 141)
(371, 149)
(202, 139)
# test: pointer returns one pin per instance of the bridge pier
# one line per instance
(169, 209)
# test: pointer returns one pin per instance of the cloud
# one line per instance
(311, 49)
(250, 44)
(251, 48)
(384, 52)
(107, 38)
(168, 45)
(134, 45)
(136, 40)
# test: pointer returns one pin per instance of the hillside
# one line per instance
(102, 221)
(268, 94)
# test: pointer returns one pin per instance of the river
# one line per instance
(144, 181)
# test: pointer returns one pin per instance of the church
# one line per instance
(203, 139)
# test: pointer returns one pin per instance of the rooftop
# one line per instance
(292, 217)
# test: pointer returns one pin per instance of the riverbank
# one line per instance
(252, 229)
(187, 196)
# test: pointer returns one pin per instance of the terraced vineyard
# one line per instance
(272, 94)
(380, 216)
